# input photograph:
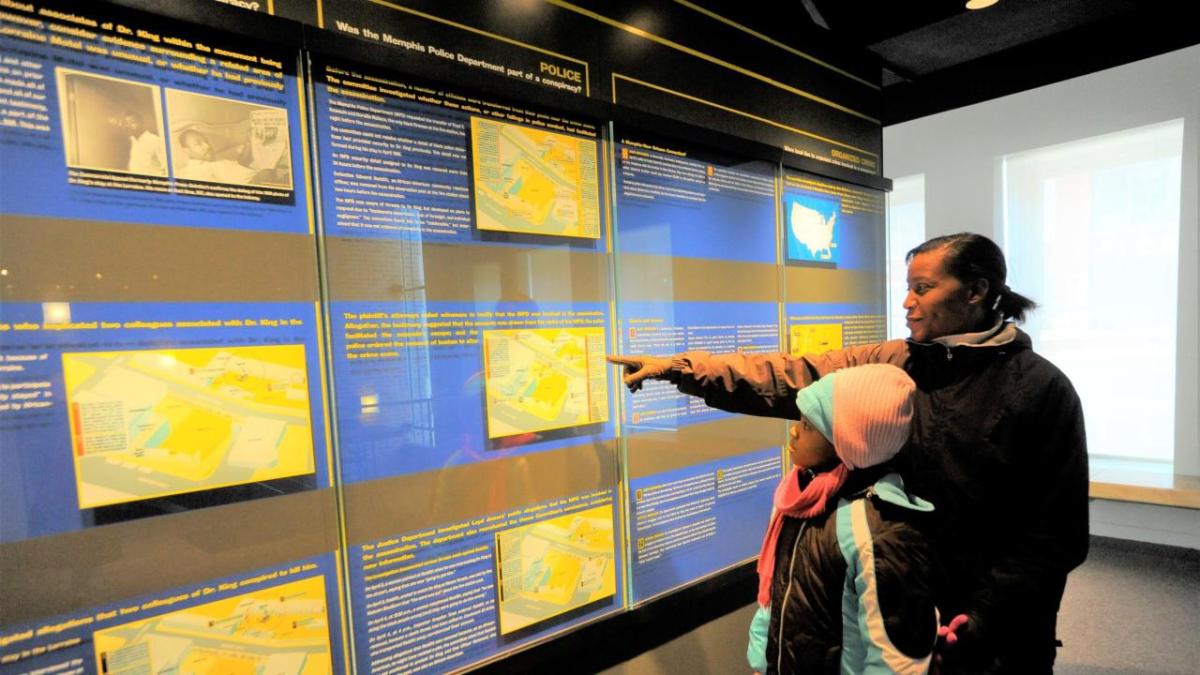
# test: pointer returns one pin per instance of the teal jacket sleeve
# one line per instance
(756, 651)
(889, 619)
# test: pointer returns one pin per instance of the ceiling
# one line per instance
(937, 55)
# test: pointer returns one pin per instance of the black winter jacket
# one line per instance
(997, 444)
(853, 587)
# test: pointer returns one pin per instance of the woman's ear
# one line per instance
(977, 291)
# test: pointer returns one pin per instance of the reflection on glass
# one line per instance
(470, 316)
(697, 271)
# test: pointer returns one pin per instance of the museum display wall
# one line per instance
(305, 310)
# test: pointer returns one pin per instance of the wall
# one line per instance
(959, 151)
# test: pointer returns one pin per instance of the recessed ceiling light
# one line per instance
(980, 4)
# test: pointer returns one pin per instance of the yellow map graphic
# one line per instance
(814, 338)
(529, 180)
(544, 378)
(283, 630)
(152, 423)
(554, 566)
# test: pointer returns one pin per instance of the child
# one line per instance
(845, 581)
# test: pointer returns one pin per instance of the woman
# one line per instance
(997, 445)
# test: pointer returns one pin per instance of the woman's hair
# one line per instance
(970, 257)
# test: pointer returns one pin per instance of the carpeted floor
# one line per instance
(1132, 609)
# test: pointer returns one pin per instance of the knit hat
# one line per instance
(864, 411)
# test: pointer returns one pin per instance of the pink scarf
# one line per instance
(791, 501)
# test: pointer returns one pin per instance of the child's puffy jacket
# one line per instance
(853, 588)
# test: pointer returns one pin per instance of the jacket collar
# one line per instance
(891, 489)
(1001, 334)
(885, 484)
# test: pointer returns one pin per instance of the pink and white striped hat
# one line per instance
(864, 411)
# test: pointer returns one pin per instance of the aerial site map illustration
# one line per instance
(544, 378)
(152, 423)
(534, 181)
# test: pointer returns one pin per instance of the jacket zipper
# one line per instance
(786, 594)
(949, 354)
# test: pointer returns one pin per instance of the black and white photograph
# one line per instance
(220, 140)
(111, 124)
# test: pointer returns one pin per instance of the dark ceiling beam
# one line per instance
(1098, 46)
(864, 23)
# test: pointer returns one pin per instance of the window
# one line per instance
(906, 229)
(1091, 232)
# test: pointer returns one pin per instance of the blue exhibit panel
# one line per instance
(285, 618)
(110, 407)
(402, 160)
(672, 205)
(857, 324)
(416, 392)
(453, 595)
(667, 328)
(691, 522)
(109, 119)
(832, 224)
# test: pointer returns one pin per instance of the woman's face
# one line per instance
(938, 304)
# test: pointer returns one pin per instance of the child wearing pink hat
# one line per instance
(845, 577)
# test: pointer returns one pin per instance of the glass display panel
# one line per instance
(165, 490)
(467, 258)
(696, 260)
(835, 242)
